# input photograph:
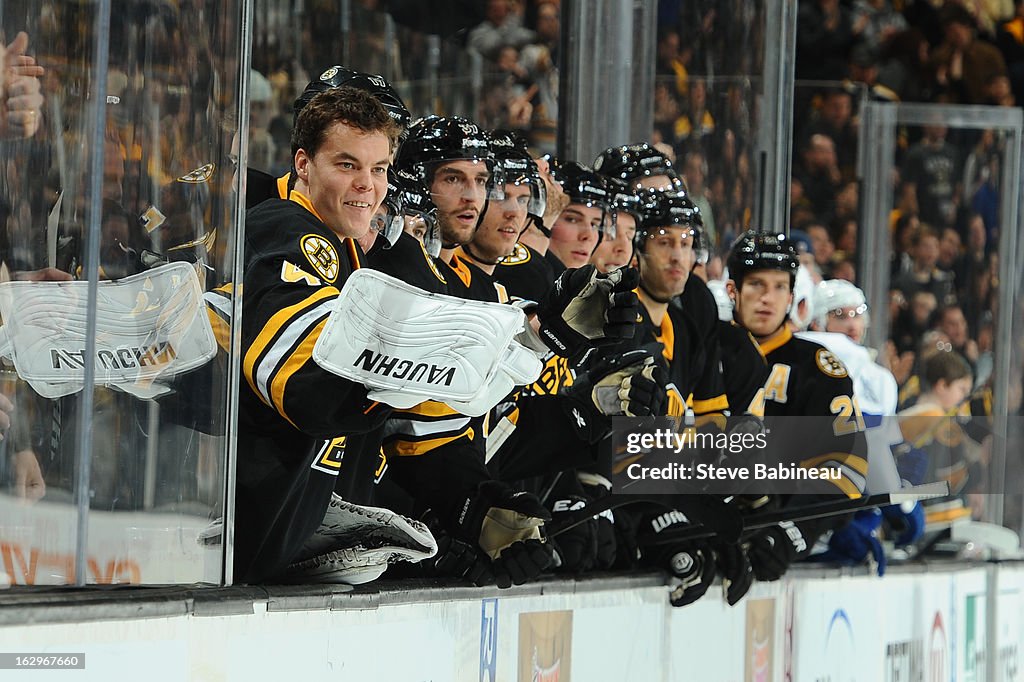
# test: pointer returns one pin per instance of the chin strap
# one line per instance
(478, 259)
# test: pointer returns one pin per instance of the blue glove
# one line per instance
(913, 466)
(908, 524)
(850, 545)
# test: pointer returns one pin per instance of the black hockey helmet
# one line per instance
(389, 220)
(337, 76)
(512, 155)
(583, 186)
(417, 205)
(434, 140)
(625, 200)
(667, 209)
(754, 250)
(631, 162)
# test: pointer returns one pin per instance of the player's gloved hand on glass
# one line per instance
(627, 384)
(586, 308)
(851, 544)
(772, 550)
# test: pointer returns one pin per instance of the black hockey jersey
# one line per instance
(525, 274)
(806, 380)
(290, 439)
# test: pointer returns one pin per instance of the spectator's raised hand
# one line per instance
(20, 90)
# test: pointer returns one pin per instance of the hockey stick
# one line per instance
(711, 513)
(805, 513)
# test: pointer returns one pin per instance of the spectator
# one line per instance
(672, 61)
(875, 22)
(819, 174)
(695, 171)
(500, 27)
(540, 60)
(823, 247)
(951, 322)
(696, 125)
(824, 36)
(964, 66)
(924, 274)
(931, 173)
(913, 321)
(835, 120)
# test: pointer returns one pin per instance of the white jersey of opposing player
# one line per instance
(877, 395)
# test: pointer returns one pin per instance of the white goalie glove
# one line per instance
(407, 345)
(149, 328)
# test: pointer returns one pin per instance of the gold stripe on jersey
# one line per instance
(282, 185)
(302, 354)
(304, 201)
(408, 448)
(775, 342)
(707, 405)
(221, 329)
(273, 329)
(667, 338)
(461, 270)
(853, 467)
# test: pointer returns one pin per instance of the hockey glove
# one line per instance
(691, 562)
(629, 384)
(575, 549)
(906, 522)
(694, 567)
(734, 567)
(772, 550)
(506, 527)
(586, 308)
(596, 487)
(850, 544)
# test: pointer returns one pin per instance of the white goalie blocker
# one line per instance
(408, 345)
(150, 327)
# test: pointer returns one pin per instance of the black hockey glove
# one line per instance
(586, 308)
(772, 550)
(735, 569)
(691, 562)
(597, 487)
(575, 549)
(506, 528)
(630, 384)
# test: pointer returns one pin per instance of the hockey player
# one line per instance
(805, 379)
(840, 315)
(299, 252)
(585, 221)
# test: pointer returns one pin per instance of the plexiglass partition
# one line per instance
(119, 213)
(941, 220)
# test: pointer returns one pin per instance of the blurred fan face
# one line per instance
(347, 178)
(575, 234)
(612, 254)
(502, 224)
(762, 301)
(668, 256)
(459, 190)
(849, 321)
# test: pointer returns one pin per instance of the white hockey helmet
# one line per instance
(717, 288)
(803, 292)
(836, 294)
